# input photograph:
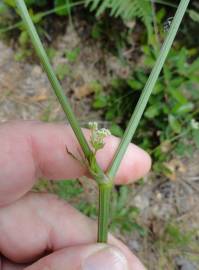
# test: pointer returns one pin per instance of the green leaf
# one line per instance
(62, 70)
(185, 108)
(100, 101)
(3, 8)
(96, 86)
(174, 124)
(194, 15)
(64, 11)
(28, 2)
(116, 130)
(181, 60)
(10, 3)
(167, 73)
(67, 189)
(152, 111)
(51, 52)
(97, 31)
(134, 84)
(158, 88)
(142, 231)
(194, 67)
(110, 115)
(122, 198)
(36, 18)
(181, 149)
(24, 38)
(160, 14)
(177, 95)
(176, 82)
(73, 54)
(196, 137)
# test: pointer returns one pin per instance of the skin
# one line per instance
(38, 230)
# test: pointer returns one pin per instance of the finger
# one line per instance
(7, 265)
(30, 150)
(44, 224)
(90, 257)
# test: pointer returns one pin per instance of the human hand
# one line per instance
(38, 231)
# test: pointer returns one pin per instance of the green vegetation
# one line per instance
(170, 111)
(174, 241)
(170, 125)
(104, 180)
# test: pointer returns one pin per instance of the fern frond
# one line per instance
(126, 9)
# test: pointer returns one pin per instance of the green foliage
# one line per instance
(39, 3)
(116, 130)
(175, 240)
(68, 189)
(175, 237)
(72, 55)
(126, 9)
(88, 209)
(62, 70)
(171, 107)
(194, 15)
(123, 216)
(195, 134)
(66, 10)
(169, 112)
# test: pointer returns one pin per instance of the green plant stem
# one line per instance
(95, 169)
(42, 15)
(104, 189)
(143, 100)
(52, 77)
(165, 3)
(104, 209)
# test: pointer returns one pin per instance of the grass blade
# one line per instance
(98, 174)
(143, 100)
(52, 77)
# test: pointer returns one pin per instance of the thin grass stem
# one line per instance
(52, 77)
(42, 15)
(105, 186)
(98, 174)
(143, 100)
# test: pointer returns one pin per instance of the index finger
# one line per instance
(30, 150)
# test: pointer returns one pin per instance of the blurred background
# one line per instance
(103, 52)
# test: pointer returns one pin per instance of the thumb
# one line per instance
(90, 257)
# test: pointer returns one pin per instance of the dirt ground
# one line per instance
(25, 94)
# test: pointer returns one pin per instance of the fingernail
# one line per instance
(106, 259)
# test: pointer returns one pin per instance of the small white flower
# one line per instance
(105, 131)
(93, 125)
(194, 124)
(102, 133)
(97, 135)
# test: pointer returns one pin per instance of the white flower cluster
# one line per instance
(97, 135)
(194, 124)
(103, 132)
(93, 125)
